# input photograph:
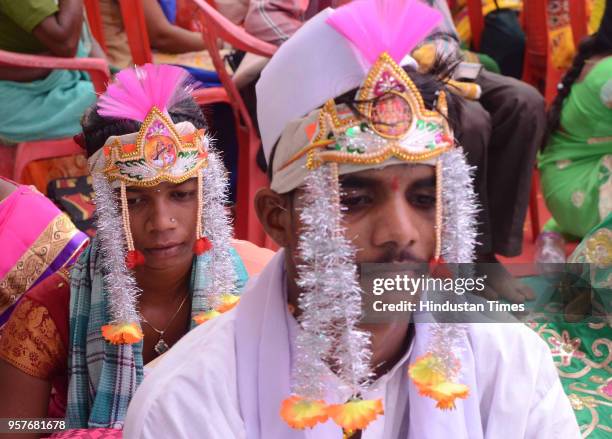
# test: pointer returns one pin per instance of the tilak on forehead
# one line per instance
(315, 139)
(394, 184)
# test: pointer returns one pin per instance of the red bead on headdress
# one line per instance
(201, 246)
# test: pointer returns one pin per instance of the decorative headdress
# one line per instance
(362, 45)
(161, 151)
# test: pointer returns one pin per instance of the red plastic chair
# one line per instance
(538, 66)
(476, 22)
(540, 72)
(135, 26)
(534, 209)
(578, 20)
(250, 177)
(27, 152)
(94, 20)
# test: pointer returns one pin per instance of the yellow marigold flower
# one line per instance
(227, 302)
(356, 414)
(445, 394)
(430, 382)
(425, 371)
(301, 413)
(122, 333)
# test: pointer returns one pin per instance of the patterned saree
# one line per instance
(36, 240)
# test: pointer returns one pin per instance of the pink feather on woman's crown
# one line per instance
(392, 26)
(136, 90)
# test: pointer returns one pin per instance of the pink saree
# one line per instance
(36, 240)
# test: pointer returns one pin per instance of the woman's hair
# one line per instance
(97, 129)
(596, 44)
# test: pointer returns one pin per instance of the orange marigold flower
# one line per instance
(206, 316)
(227, 302)
(301, 413)
(431, 382)
(445, 394)
(122, 333)
(356, 414)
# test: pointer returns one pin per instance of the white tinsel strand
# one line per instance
(460, 208)
(446, 342)
(331, 296)
(220, 272)
(458, 246)
(118, 280)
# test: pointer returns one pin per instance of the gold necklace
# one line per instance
(161, 346)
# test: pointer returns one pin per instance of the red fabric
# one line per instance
(7, 160)
(92, 433)
(54, 294)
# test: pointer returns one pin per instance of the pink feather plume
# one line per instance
(136, 90)
(392, 26)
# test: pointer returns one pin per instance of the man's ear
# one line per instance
(274, 213)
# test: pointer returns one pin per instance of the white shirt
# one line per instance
(193, 391)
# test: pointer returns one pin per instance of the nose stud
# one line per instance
(172, 220)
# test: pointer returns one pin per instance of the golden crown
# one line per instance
(158, 154)
(395, 123)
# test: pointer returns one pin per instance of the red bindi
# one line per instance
(395, 184)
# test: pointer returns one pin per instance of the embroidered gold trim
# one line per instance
(426, 134)
(144, 170)
(36, 260)
(315, 160)
(31, 342)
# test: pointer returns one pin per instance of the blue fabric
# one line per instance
(205, 78)
(103, 376)
(169, 8)
(49, 108)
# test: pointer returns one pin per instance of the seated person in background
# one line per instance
(234, 10)
(161, 262)
(165, 36)
(36, 239)
(37, 103)
(355, 178)
(576, 161)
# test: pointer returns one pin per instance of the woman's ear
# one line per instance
(274, 213)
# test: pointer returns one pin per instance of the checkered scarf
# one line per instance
(103, 376)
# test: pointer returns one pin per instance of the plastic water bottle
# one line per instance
(550, 248)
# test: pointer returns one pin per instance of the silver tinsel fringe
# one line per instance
(460, 208)
(458, 246)
(220, 274)
(331, 295)
(119, 281)
(447, 341)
